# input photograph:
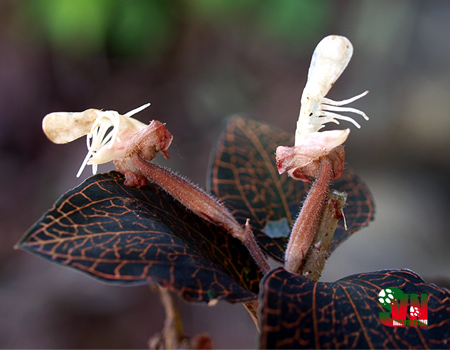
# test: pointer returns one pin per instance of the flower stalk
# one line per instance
(307, 223)
(190, 195)
(196, 200)
(319, 249)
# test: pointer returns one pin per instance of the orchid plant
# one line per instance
(147, 224)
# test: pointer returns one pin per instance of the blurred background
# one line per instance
(197, 62)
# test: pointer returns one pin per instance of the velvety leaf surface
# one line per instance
(244, 176)
(300, 313)
(129, 236)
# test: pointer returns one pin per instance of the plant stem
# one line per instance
(191, 196)
(320, 247)
(307, 223)
(172, 334)
(202, 204)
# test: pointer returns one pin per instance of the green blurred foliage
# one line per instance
(142, 25)
(75, 27)
(82, 28)
(85, 27)
(285, 20)
(294, 20)
(221, 11)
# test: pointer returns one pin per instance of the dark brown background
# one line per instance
(217, 61)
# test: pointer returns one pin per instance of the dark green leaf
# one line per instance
(130, 236)
(243, 175)
(300, 313)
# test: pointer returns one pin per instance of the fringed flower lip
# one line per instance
(329, 60)
(110, 135)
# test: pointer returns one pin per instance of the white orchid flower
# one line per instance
(110, 135)
(329, 60)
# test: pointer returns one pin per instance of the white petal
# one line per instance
(64, 127)
(327, 140)
(329, 60)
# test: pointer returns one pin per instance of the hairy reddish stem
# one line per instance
(198, 201)
(191, 196)
(308, 221)
(314, 262)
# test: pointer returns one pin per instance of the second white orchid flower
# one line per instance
(318, 156)
(330, 58)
